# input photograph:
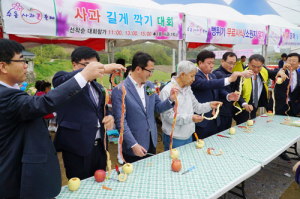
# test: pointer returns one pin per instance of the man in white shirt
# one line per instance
(187, 106)
(141, 101)
(29, 164)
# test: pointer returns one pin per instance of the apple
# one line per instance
(176, 165)
(175, 154)
(100, 175)
(279, 80)
(250, 122)
(200, 143)
(232, 131)
(269, 113)
(127, 168)
(73, 184)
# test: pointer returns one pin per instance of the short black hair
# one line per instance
(193, 61)
(128, 69)
(44, 85)
(294, 55)
(38, 84)
(173, 74)
(204, 55)
(228, 54)
(121, 61)
(8, 49)
(243, 56)
(84, 52)
(257, 57)
(284, 55)
(141, 59)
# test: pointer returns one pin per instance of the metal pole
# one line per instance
(183, 36)
(112, 52)
(179, 50)
(108, 55)
(173, 66)
(5, 35)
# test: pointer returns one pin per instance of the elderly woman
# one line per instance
(187, 106)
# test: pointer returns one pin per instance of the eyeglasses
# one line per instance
(85, 64)
(24, 61)
(150, 71)
(230, 63)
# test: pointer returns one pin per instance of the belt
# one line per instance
(97, 142)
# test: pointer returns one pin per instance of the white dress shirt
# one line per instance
(16, 86)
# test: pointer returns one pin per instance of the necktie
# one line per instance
(207, 77)
(255, 92)
(92, 95)
(292, 82)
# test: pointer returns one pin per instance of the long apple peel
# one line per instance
(242, 81)
(287, 93)
(174, 121)
(208, 151)
(215, 116)
(273, 96)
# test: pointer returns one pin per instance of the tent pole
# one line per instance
(112, 52)
(179, 50)
(108, 55)
(183, 38)
(5, 35)
(173, 66)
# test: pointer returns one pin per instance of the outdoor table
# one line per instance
(212, 177)
(265, 143)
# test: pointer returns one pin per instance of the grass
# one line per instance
(47, 70)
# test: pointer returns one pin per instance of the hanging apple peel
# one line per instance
(173, 152)
(214, 115)
(287, 93)
(242, 81)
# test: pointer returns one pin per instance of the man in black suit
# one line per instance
(225, 71)
(29, 166)
(80, 133)
(255, 89)
(282, 61)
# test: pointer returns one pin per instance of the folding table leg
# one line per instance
(242, 188)
(294, 153)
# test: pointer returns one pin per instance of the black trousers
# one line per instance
(131, 159)
(85, 167)
(284, 109)
(209, 130)
(225, 123)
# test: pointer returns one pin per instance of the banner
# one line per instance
(239, 53)
(202, 30)
(72, 18)
(283, 37)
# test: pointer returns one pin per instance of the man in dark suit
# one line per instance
(224, 71)
(255, 90)
(282, 61)
(206, 88)
(140, 131)
(29, 166)
(80, 133)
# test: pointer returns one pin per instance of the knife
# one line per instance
(188, 170)
(223, 136)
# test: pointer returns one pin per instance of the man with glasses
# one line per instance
(80, 133)
(29, 166)
(225, 71)
(141, 100)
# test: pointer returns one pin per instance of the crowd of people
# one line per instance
(29, 164)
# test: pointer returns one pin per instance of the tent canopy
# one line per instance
(162, 2)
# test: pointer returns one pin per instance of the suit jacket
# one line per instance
(227, 108)
(78, 120)
(297, 175)
(280, 96)
(29, 164)
(206, 91)
(263, 100)
(139, 124)
(280, 64)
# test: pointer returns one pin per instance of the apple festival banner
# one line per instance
(283, 36)
(203, 30)
(71, 18)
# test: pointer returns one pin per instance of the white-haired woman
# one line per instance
(187, 106)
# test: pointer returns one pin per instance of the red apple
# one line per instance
(176, 165)
(100, 175)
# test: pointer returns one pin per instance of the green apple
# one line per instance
(175, 154)
(74, 184)
(200, 143)
(127, 168)
(232, 131)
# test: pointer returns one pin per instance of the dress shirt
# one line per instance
(96, 98)
(294, 79)
(16, 86)
(259, 89)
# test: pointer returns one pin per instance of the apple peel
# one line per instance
(242, 81)
(208, 151)
(122, 177)
(215, 116)
(148, 165)
(105, 187)
(174, 122)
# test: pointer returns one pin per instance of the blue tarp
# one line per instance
(163, 2)
(253, 7)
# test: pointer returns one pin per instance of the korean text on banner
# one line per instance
(283, 37)
(71, 18)
(216, 31)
